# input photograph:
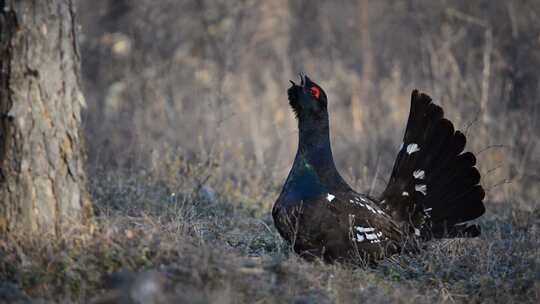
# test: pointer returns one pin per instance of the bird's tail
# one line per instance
(434, 185)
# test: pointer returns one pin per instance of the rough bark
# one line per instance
(42, 180)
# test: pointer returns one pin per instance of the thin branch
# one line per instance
(493, 147)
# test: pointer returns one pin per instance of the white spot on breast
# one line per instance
(422, 188)
(330, 197)
(416, 232)
(405, 193)
(419, 174)
(411, 148)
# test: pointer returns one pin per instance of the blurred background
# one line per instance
(198, 88)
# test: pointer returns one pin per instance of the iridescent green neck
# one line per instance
(304, 180)
(314, 166)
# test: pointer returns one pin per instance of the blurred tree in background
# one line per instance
(207, 80)
(42, 180)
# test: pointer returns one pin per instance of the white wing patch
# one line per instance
(405, 193)
(371, 208)
(330, 197)
(367, 229)
(356, 201)
(419, 174)
(362, 202)
(369, 234)
(411, 148)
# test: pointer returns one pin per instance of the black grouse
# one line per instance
(432, 193)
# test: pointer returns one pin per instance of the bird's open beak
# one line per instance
(302, 77)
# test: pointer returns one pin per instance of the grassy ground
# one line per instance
(157, 241)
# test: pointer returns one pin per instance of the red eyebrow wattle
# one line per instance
(316, 91)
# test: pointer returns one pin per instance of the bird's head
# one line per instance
(308, 100)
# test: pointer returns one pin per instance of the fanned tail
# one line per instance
(434, 185)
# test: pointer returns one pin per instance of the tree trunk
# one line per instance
(42, 181)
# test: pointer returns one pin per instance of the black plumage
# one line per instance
(433, 189)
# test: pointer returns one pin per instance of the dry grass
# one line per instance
(205, 247)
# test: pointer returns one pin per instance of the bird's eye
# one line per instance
(315, 92)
